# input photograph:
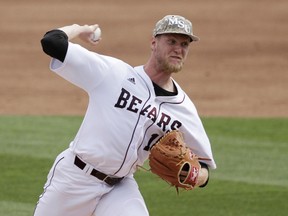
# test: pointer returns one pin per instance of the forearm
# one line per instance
(55, 42)
(73, 31)
(203, 177)
(84, 32)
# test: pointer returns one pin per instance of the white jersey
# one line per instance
(124, 117)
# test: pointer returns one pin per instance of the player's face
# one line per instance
(170, 51)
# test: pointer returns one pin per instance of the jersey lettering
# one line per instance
(164, 121)
(123, 98)
(175, 125)
(133, 104)
(152, 114)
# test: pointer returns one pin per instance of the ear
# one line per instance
(153, 43)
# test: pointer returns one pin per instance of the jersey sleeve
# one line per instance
(82, 67)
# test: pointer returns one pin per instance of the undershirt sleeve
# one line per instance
(55, 44)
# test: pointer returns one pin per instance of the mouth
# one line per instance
(176, 58)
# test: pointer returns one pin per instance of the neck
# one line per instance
(161, 78)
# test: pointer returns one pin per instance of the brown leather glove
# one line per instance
(174, 162)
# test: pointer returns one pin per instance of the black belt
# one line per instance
(103, 177)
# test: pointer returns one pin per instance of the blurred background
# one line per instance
(238, 68)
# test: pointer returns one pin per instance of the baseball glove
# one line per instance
(174, 162)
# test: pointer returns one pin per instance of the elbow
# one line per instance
(47, 45)
(55, 44)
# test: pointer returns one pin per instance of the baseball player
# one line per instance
(129, 109)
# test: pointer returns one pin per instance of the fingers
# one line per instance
(183, 175)
(87, 32)
(93, 27)
(93, 43)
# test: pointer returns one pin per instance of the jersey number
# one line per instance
(151, 140)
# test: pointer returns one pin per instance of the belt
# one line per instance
(103, 177)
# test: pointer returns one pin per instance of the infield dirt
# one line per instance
(238, 68)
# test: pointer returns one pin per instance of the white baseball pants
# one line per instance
(70, 191)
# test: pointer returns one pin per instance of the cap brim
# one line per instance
(192, 37)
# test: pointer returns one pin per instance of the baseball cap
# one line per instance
(175, 24)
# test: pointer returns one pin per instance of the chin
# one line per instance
(172, 68)
(175, 68)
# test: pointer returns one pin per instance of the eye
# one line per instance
(172, 41)
(184, 44)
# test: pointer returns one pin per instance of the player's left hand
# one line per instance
(174, 162)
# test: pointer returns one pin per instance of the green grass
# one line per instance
(251, 178)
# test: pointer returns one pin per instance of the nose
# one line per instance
(178, 49)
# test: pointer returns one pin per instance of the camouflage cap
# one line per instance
(175, 24)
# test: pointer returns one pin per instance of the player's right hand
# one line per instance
(87, 32)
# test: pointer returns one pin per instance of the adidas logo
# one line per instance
(132, 80)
